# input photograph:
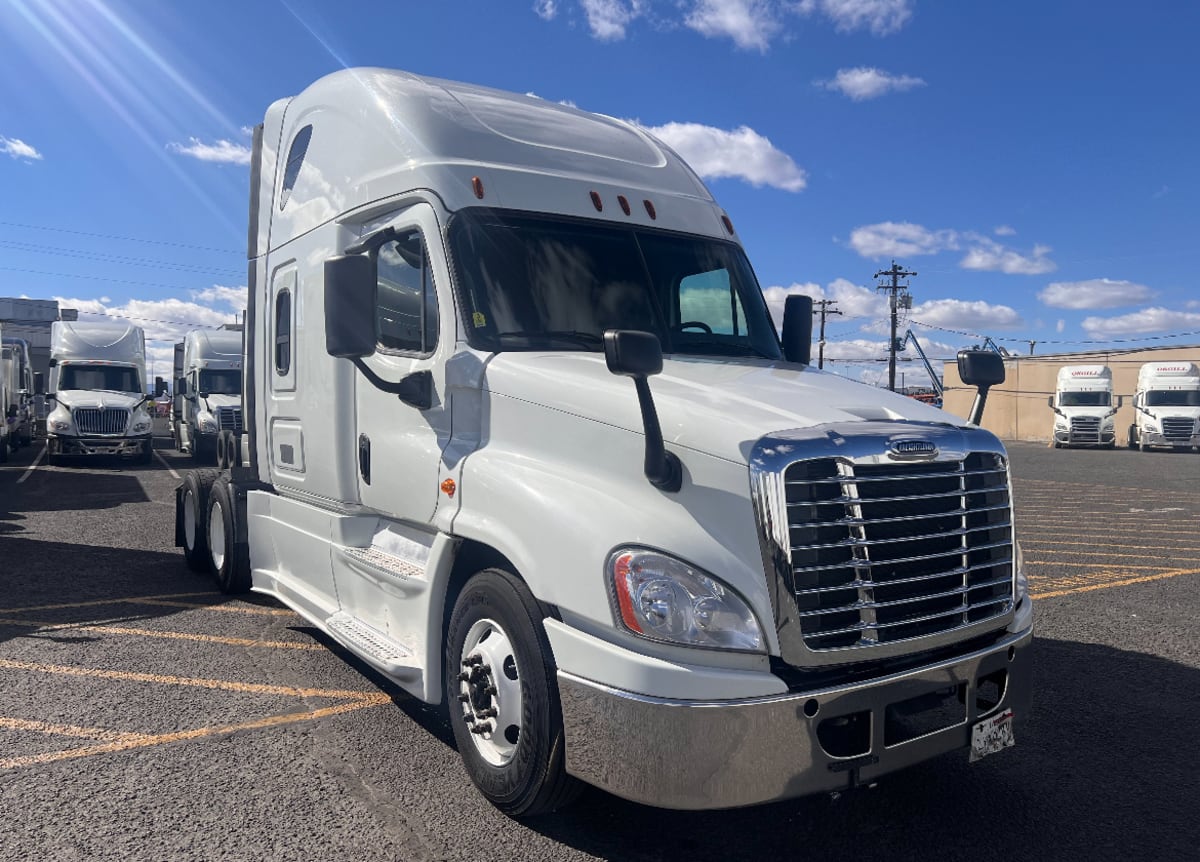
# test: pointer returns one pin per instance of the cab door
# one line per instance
(401, 437)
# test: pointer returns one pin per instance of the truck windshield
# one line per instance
(116, 378)
(536, 283)
(1084, 399)
(221, 382)
(1173, 398)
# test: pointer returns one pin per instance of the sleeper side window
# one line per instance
(406, 310)
(283, 332)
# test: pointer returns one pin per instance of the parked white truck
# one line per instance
(748, 581)
(97, 390)
(1084, 407)
(1166, 406)
(207, 391)
(6, 444)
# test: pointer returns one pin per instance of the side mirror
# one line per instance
(797, 329)
(1050, 402)
(39, 383)
(635, 354)
(982, 369)
(350, 284)
(53, 361)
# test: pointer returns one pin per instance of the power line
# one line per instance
(900, 298)
(1051, 341)
(826, 309)
(125, 238)
(34, 248)
(98, 278)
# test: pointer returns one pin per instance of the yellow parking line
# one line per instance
(1109, 584)
(360, 702)
(234, 609)
(1052, 563)
(154, 633)
(194, 682)
(1035, 548)
(97, 733)
(99, 602)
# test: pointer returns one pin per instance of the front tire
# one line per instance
(196, 487)
(502, 694)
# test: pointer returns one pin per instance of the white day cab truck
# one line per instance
(97, 392)
(1084, 407)
(522, 435)
(206, 408)
(20, 413)
(1166, 407)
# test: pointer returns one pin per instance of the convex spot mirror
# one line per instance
(350, 284)
(982, 368)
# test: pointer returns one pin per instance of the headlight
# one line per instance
(141, 426)
(664, 599)
(1150, 426)
(60, 425)
(206, 421)
(1060, 423)
(1107, 422)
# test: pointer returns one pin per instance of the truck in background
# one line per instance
(6, 444)
(97, 390)
(1084, 408)
(1166, 407)
(21, 409)
(207, 402)
(751, 581)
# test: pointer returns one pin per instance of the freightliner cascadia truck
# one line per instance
(521, 434)
(208, 391)
(1166, 407)
(1084, 407)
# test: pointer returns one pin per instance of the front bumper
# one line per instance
(1063, 436)
(64, 445)
(1156, 439)
(724, 754)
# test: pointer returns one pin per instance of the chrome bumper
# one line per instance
(1156, 438)
(97, 445)
(726, 754)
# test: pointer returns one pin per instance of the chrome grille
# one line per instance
(229, 418)
(105, 420)
(1085, 429)
(890, 552)
(1177, 428)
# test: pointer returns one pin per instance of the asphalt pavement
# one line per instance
(143, 715)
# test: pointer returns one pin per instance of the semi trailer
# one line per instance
(521, 434)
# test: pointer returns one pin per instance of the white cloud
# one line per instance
(751, 24)
(1094, 293)
(960, 314)
(900, 239)
(1060, 326)
(165, 320)
(741, 153)
(853, 301)
(18, 149)
(1147, 320)
(545, 9)
(609, 18)
(864, 82)
(224, 152)
(1004, 230)
(881, 17)
(989, 256)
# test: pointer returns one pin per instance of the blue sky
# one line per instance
(1034, 162)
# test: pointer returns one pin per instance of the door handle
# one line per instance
(364, 458)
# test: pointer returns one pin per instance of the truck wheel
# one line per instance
(196, 487)
(146, 454)
(229, 560)
(4, 450)
(1132, 439)
(202, 452)
(503, 697)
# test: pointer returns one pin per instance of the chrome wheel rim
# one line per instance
(489, 693)
(189, 520)
(216, 535)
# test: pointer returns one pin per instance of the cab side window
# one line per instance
(707, 301)
(406, 310)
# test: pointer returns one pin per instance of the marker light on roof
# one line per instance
(477, 186)
(624, 202)
(596, 202)
(650, 209)
(728, 224)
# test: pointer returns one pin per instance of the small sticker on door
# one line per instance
(479, 320)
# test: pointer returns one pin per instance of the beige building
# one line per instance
(1017, 409)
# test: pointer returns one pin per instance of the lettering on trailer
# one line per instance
(1087, 373)
(1169, 369)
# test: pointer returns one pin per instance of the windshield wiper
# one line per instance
(588, 339)
(702, 347)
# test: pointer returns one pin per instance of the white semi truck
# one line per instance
(97, 390)
(1084, 407)
(21, 410)
(6, 443)
(208, 391)
(522, 436)
(1166, 407)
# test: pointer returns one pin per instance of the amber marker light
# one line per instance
(622, 569)
(624, 202)
(650, 210)
(477, 186)
(596, 202)
(728, 224)
(448, 487)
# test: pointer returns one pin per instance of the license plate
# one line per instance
(992, 735)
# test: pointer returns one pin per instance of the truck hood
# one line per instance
(716, 406)
(1071, 412)
(87, 398)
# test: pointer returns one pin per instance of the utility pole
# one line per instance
(900, 298)
(826, 309)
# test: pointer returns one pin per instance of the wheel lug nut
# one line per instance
(463, 698)
(464, 677)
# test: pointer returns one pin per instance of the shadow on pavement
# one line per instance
(1105, 770)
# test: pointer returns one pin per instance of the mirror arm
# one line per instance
(416, 389)
(662, 468)
(373, 241)
(977, 408)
